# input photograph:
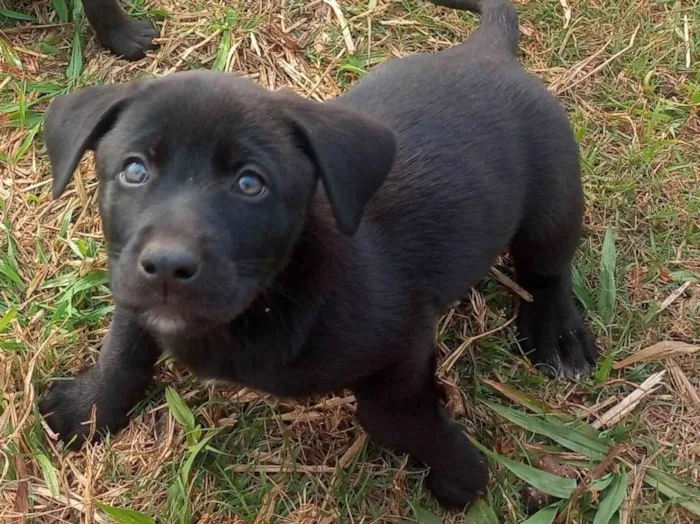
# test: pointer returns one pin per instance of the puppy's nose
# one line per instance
(169, 263)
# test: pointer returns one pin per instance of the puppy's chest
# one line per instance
(284, 368)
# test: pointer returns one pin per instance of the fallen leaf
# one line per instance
(534, 499)
(659, 351)
(549, 463)
(524, 399)
(627, 404)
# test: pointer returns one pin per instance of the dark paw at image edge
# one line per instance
(132, 39)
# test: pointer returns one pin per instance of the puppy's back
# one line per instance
(476, 133)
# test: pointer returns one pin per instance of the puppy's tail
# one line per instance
(498, 18)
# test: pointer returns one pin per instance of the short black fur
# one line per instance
(382, 208)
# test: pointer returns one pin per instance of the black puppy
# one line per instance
(226, 251)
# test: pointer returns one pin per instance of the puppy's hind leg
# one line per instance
(551, 328)
(401, 409)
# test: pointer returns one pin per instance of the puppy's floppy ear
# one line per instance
(353, 154)
(74, 124)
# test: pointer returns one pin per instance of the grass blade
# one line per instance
(546, 482)
(10, 57)
(11, 273)
(425, 516)
(226, 26)
(581, 290)
(613, 499)
(26, 143)
(194, 451)
(7, 318)
(49, 474)
(550, 427)
(61, 10)
(679, 492)
(77, 10)
(179, 409)
(544, 516)
(222, 53)
(603, 482)
(607, 293)
(75, 66)
(481, 513)
(524, 399)
(126, 516)
(15, 15)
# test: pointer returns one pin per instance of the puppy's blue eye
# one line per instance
(134, 174)
(250, 184)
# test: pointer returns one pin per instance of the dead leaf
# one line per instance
(455, 401)
(22, 497)
(549, 463)
(617, 413)
(524, 399)
(683, 385)
(659, 351)
(534, 499)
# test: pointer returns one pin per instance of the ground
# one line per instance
(627, 72)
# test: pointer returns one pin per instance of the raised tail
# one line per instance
(498, 17)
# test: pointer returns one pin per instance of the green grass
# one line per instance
(214, 454)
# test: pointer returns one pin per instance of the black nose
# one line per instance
(168, 263)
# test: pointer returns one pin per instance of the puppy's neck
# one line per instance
(318, 258)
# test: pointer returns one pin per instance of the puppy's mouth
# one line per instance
(179, 316)
(166, 320)
(219, 296)
(170, 320)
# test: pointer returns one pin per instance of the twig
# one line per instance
(567, 13)
(576, 69)
(281, 468)
(597, 473)
(511, 284)
(27, 28)
(684, 386)
(686, 38)
(614, 415)
(73, 501)
(628, 505)
(672, 297)
(457, 353)
(344, 28)
(328, 70)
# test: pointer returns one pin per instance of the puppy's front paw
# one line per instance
(463, 475)
(129, 38)
(67, 408)
(558, 342)
(454, 491)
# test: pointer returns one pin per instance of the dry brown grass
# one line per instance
(620, 69)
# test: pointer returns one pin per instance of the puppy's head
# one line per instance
(205, 181)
